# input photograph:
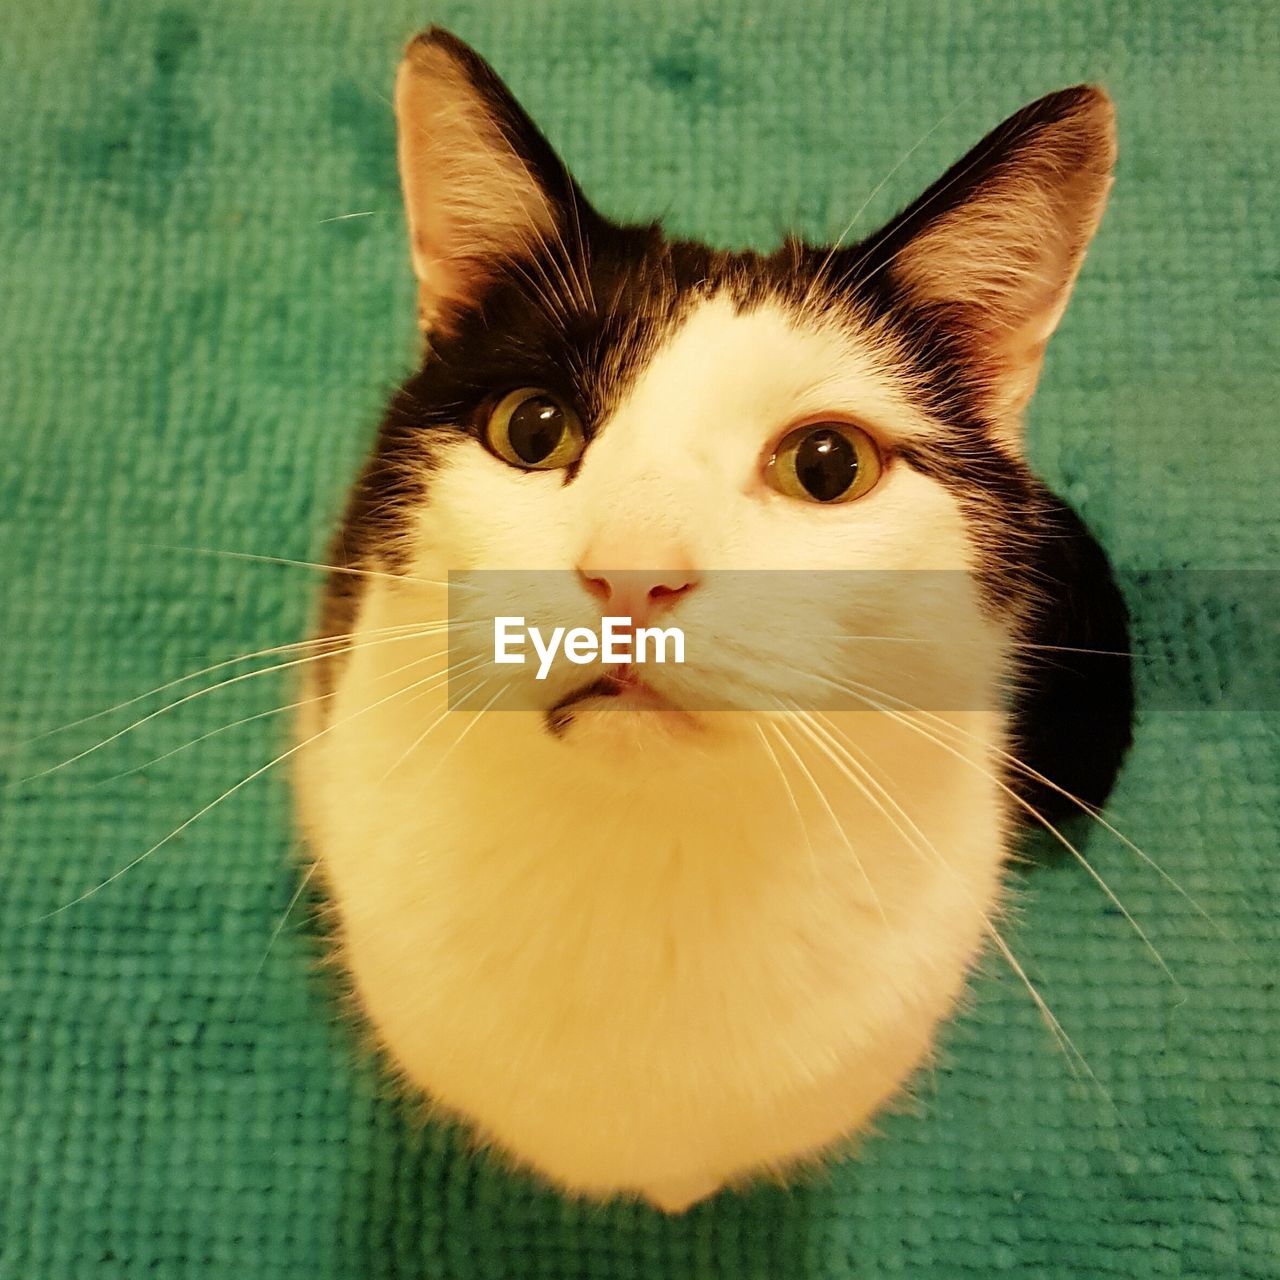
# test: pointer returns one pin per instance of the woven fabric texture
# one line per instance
(206, 297)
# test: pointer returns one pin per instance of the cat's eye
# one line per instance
(826, 462)
(534, 430)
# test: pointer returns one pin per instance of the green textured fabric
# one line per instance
(194, 341)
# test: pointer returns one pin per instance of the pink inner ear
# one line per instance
(469, 198)
(1008, 257)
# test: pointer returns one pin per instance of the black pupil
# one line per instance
(535, 428)
(826, 464)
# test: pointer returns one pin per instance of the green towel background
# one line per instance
(194, 343)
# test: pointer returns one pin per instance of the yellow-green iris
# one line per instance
(534, 430)
(825, 462)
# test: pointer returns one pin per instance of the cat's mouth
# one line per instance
(621, 687)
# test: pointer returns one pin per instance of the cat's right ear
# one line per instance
(482, 186)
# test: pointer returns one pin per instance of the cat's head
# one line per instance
(638, 413)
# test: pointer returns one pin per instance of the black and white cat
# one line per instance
(645, 948)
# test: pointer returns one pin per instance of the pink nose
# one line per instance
(639, 594)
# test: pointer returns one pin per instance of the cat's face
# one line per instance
(629, 417)
(676, 487)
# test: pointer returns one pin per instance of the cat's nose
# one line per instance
(638, 594)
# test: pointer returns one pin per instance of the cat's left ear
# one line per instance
(993, 248)
(482, 186)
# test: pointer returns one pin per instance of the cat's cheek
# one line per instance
(480, 513)
(908, 522)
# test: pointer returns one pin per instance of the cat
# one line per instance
(642, 948)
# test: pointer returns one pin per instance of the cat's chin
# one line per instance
(630, 714)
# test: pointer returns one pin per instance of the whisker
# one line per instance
(223, 684)
(583, 268)
(312, 564)
(1068, 648)
(204, 737)
(1089, 810)
(1039, 817)
(204, 671)
(226, 795)
(346, 217)
(458, 666)
(846, 747)
(259, 715)
(453, 746)
(1013, 644)
(932, 198)
(826, 804)
(1063, 1041)
(791, 796)
(1092, 812)
(417, 742)
(545, 295)
(279, 929)
(838, 243)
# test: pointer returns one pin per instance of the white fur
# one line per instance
(634, 958)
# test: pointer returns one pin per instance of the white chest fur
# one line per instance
(655, 978)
